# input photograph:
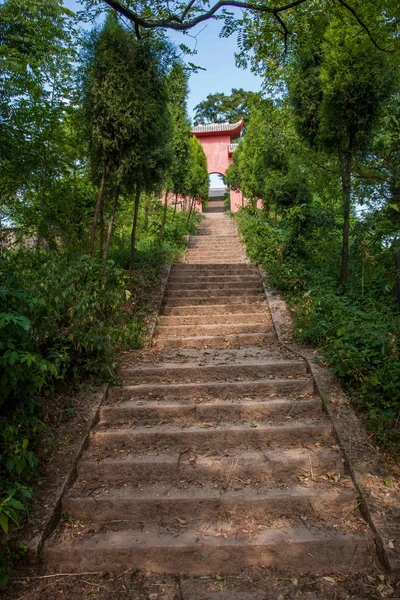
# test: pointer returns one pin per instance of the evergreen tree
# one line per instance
(337, 93)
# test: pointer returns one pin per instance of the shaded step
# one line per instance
(292, 547)
(239, 299)
(222, 309)
(163, 505)
(182, 414)
(215, 261)
(184, 331)
(190, 279)
(216, 319)
(214, 390)
(217, 341)
(213, 290)
(268, 468)
(215, 269)
(165, 372)
(201, 438)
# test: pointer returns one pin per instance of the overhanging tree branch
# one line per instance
(363, 25)
(180, 22)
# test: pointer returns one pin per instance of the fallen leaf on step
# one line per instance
(329, 580)
(181, 521)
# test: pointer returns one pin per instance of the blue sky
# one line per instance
(214, 54)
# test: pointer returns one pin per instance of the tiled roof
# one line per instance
(216, 127)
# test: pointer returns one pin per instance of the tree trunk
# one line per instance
(176, 202)
(146, 213)
(164, 219)
(134, 225)
(100, 199)
(102, 228)
(397, 259)
(346, 168)
(190, 210)
(111, 224)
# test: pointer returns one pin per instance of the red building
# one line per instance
(217, 142)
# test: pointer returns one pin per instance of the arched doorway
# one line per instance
(217, 194)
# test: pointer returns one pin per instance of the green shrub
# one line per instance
(358, 333)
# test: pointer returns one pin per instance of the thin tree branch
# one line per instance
(286, 31)
(364, 26)
(178, 24)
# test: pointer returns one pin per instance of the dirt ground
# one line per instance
(253, 584)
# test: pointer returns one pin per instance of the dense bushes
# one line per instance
(60, 319)
(63, 318)
(358, 332)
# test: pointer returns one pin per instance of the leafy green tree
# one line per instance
(37, 46)
(197, 181)
(127, 121)
(221, 108)
(337, 97)
(177, 89)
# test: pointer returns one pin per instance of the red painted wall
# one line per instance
(216, 149)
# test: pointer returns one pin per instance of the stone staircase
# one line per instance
(215, 454)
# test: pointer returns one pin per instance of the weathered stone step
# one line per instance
(213, 290)
(215, 270)
(218, 309)
(218, 240)
(179, 331)
(215, 209)
(190, 505)
(216, 319)
(202, 257)
(165, 372)
(183, 414)
(194, 279)
(200, 438)
(220, 248)
(267, 468)
(216, 261)
(211, 300)
(295, 548)
(233, 340)
(214, 390)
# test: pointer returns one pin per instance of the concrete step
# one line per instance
(217, 309)
(148, 413)
(164, 372)
(219, 548)
(227, 269)
(222, 261)
(176, 331)
(202, 438)
(162, 505)
(193, 279)
(266, 467)
(214, 390)
(180, 286)
(217, 341)
(238, 298)
(215, 319)
(212, 290)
